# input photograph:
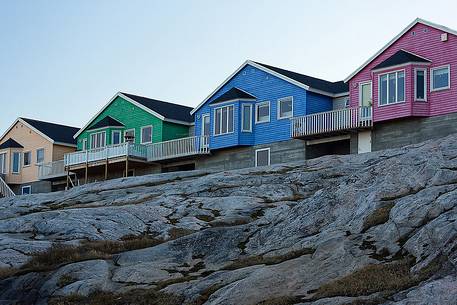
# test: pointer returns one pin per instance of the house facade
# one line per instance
(132, 135)
(248, 117)
(25, 150)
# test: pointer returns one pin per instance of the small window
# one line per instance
(84, 144)
(420, 83)
(40, 155)
(262, 157)
(25, 190)
(116, 137)
(146, 134)
(3, 163)
(440, 78)
(285, 108)
(98, 139)
(16, 162)
(247, 118)
(129, 135)
(27, 158)
(262, 112)
(223, 120)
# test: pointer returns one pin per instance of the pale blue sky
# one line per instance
(61, 61)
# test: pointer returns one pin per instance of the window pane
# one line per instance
(440, 78)
(116, 137)
(420, 85)
(40, 155)
(230, 119)
(262, 157)
(247, 117)
(2, 163)
(103, 138)
(146, 135)
(16, 162)
(27, 159)
(26, 190)
(392, 85)
(285, 108)
(263, 113)
(401, 86)
(383, 85)
(206, 125)
(217, 126)
(224, 120)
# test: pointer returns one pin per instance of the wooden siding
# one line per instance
(425, 42)
(265, 87)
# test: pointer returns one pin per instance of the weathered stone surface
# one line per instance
(251, 235)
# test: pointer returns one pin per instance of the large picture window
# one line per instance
(98, 139)
(223, 120)
(420, 85)
(440, 78)
(392, 88)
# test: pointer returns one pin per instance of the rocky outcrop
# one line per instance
(376, 228)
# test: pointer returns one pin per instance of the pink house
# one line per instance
(405, 93)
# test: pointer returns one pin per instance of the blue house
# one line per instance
(248, 117)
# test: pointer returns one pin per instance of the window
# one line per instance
(16, 162)
(146, 134)
(3, 163)
(40, 155)
(129, 135)
(84, 144)
(262, 157)
(223, 120)
(26, 190)
(27, 158)
(440, 78)
(98, 139)
(285, 108)
(392, 88)
(262, 112)
(420, 83)
(246, 117)
(115, 137)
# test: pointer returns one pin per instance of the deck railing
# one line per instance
(331, 121)
(107, 152)
(51, 170)
(5, 190)
(178, 148)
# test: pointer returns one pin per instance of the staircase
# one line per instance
(5, 190)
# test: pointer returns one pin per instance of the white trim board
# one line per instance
(119, 94)
(391, 42)
(274, 73)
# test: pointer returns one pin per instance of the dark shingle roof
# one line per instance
(59, 133)
(313, 82)
(105, 122)
(233, 94)
(10, 143)
(400, 57)
(168, 110)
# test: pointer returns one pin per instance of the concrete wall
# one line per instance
(242, 157)
(403, 132)
(37, 187)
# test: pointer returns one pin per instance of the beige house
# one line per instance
(27, 149)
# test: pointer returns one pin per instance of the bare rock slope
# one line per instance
(376, 228)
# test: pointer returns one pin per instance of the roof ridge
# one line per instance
(40, 121)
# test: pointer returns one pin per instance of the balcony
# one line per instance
(331, 122)
(51, 170)
(178, 148)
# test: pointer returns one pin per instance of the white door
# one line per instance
(205, 128)
(364, 142)
(365, 100)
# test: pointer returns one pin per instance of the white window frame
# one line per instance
(23, 158)
(127, 131)
(3, 166)
(44, 155)
(263, 149)
(84, 147)
(257, 111)
(94, 135)
(425, 85)
(361, 84)
(396, 87)
(242, 117)
(206, 115)
(112, 136)
(220, 121)
(278, 112)
(152, 132)
(432, 88)
(18, 160)
(26, 187)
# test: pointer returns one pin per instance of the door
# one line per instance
(364, 142)
(365, 100)
(205, 129)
